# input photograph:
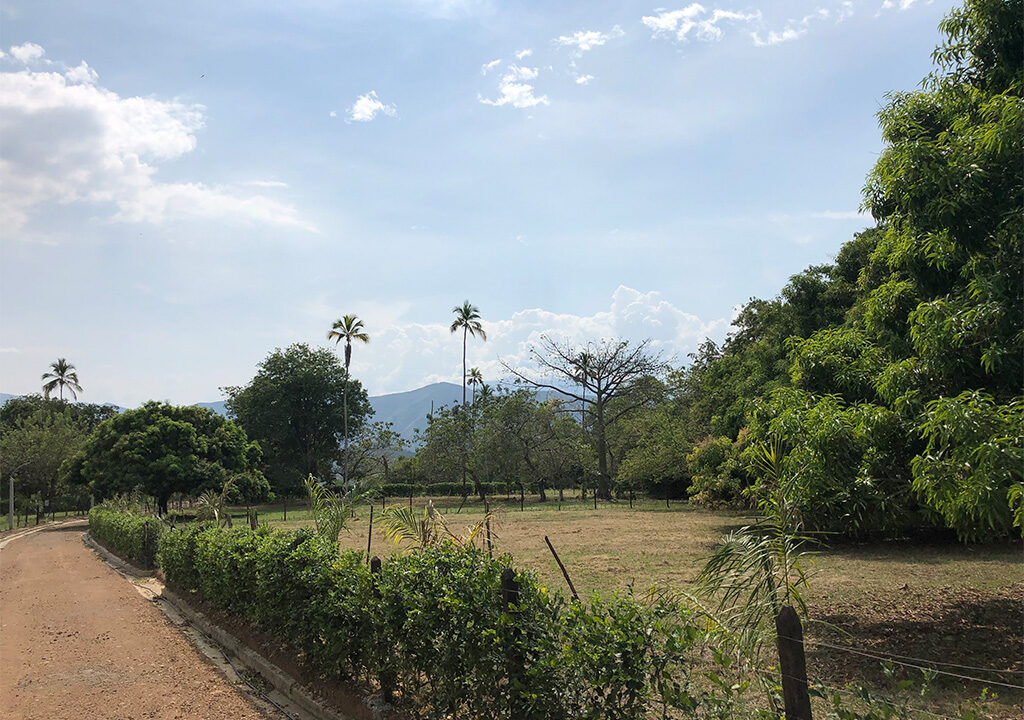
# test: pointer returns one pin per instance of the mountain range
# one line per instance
(406, 411)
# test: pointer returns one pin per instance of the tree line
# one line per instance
(890, 378)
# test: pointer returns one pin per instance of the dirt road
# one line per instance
(78, 641)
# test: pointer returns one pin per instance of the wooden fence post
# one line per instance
(369, 533)
(793, 664)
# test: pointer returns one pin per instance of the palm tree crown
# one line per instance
(467, 319)
(348, 328)
(475, 380)
(62, 375)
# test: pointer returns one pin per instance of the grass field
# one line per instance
(940, 603)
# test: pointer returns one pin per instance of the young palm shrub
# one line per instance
(214, 506)
(331, 511)
(401, 524)
(758, 569)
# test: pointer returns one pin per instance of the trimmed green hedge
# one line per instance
(441, 489)
(126, 534)
(431, 627)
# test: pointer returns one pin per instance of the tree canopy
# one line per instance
(163, 449)
(295, 408)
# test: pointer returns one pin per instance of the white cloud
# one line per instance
(68, 140)
(366, 108)
(27, 52)
(487, 67)
(583, 79)
(524, 54)
(403, 355)
(266, 183)
(515, 91)
(795, 29)
(586, 40)
(893, 4)
(82, 74)
(695, 19)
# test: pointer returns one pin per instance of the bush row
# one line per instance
(431, 630)
(444, 489)
(131, 536)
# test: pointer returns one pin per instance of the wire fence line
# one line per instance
(853, 693)
(904, 663)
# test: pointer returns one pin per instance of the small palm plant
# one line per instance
(758, 569)
(331, 511)
(214, 506)
(402, 524)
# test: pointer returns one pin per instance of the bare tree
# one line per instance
(595, 375)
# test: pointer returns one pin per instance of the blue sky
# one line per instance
(188, 186)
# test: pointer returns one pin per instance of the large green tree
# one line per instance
(163, 449)
(908, 412)
(34, 447)
(295, 408)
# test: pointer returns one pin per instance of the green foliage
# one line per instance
(972, 470)
(848, 463)
(432, 627)
(36, 445)
(657, 460)
(719, 472)
(436, 489)
(332, 511)
(295, 408)
(757, 570)
(86, 415)
(163, 449)
(130, 535)
(895, 373)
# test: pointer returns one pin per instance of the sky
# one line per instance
(186, 186)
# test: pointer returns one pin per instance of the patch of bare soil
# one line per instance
(961, 631)
(77, 641)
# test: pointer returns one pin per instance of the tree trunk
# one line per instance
(603, 488)
(344, 402)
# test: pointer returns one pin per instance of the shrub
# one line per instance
(432, 626)
(133, 537)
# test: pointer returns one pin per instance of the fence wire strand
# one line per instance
(884, 658)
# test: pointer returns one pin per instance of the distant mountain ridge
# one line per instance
(406, 411)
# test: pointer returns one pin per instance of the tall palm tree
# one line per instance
(467, 319)
(348, 328)
(475, 380)
(62, 375)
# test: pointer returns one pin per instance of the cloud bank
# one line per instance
(68, 140)
(402, 355)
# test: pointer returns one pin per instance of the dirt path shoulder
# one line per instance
(77, 641)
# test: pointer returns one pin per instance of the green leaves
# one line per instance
(131, 536)
(973, 466)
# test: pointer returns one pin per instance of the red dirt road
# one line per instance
(77, 641)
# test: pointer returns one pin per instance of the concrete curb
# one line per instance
(122, 566)
(278, 678)
(227, 643)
